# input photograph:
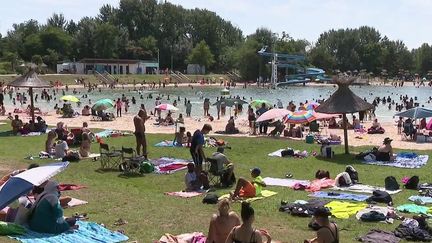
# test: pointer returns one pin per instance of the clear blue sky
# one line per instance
(407, 20)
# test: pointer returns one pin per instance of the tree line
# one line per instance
(146, 29)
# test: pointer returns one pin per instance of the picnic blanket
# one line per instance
(297, 153)
(343, 210)
(32, 134)
(269, 181)
(184, 194)
(361, 188)
(264, 194)
(318, 184)
(88, 232)
(197, 237)
(420, 199)
(277, 153)
(413, 208)
(165, 143)
(379, 209)
(340, 196)
(402, 162)
(165, 165)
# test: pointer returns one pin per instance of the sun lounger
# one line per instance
(88, 232)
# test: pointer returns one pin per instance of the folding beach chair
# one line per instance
(130, 162)
(109, 158)
(214, 174)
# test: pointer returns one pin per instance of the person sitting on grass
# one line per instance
(222, 223)
(180, 137)
(249, 189)
(17, 125)
(41, 125)
(245, 232)
(385, 151)
(328, 232)
(194, 183)
(230, 127)
(47, 216)
(49, 144)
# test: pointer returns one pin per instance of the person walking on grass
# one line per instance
(139, 123)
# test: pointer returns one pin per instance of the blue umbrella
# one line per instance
(416, 113)
(22, 183)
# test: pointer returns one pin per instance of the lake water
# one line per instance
(293, 93)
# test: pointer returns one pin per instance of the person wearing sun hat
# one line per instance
(385, 151)
(248, 189)
(328, 231)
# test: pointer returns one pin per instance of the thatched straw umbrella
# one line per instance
(344, 101)
(30, 80)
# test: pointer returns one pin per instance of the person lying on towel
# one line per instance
(248, 189)
(47, 213)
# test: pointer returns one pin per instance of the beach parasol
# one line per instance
(103, 104)
(166, 107)
(70, 98)
(230, 102)
(273, 114)
(311, 105)
(416, 113)
(258, 103)
(22, 183)
(344, 101)
(300, 117)
(30, 80)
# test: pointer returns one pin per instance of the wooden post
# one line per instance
(344, 124)
(31, 104)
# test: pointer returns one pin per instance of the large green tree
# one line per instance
(201, 55)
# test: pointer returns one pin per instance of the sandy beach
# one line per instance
(125, 123)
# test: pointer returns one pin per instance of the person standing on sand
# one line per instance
(139, 123)
(188, 108)
(118, 105)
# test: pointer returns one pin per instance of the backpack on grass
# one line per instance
(412, 183)
(391, 184)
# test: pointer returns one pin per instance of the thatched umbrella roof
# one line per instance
(30, 80)
(344, 101)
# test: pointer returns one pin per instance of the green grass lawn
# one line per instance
(141, 200)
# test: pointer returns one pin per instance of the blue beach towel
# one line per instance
(88, 232)
(104, 134)
(402, 162)
(165, 143)
(340, 196)
(407, 155)
(421, 199)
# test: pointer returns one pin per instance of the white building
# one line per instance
(112, 66)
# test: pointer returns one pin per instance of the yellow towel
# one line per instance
(343, 210)
(264, 194)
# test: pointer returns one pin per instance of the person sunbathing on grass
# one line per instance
(246, 232)
(193, 182)
(248, 189)
(222, 223)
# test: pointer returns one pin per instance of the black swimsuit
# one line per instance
(252, 239)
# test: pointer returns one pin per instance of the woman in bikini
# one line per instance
(245, 233)
(328, 232)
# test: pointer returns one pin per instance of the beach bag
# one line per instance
(211, 199)
(380, 197)
(343, 180)
(373, 216)
(320, 174)
(391, 183)
(352, 173)
(146, 168)
(287, 152)
(412, 183)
